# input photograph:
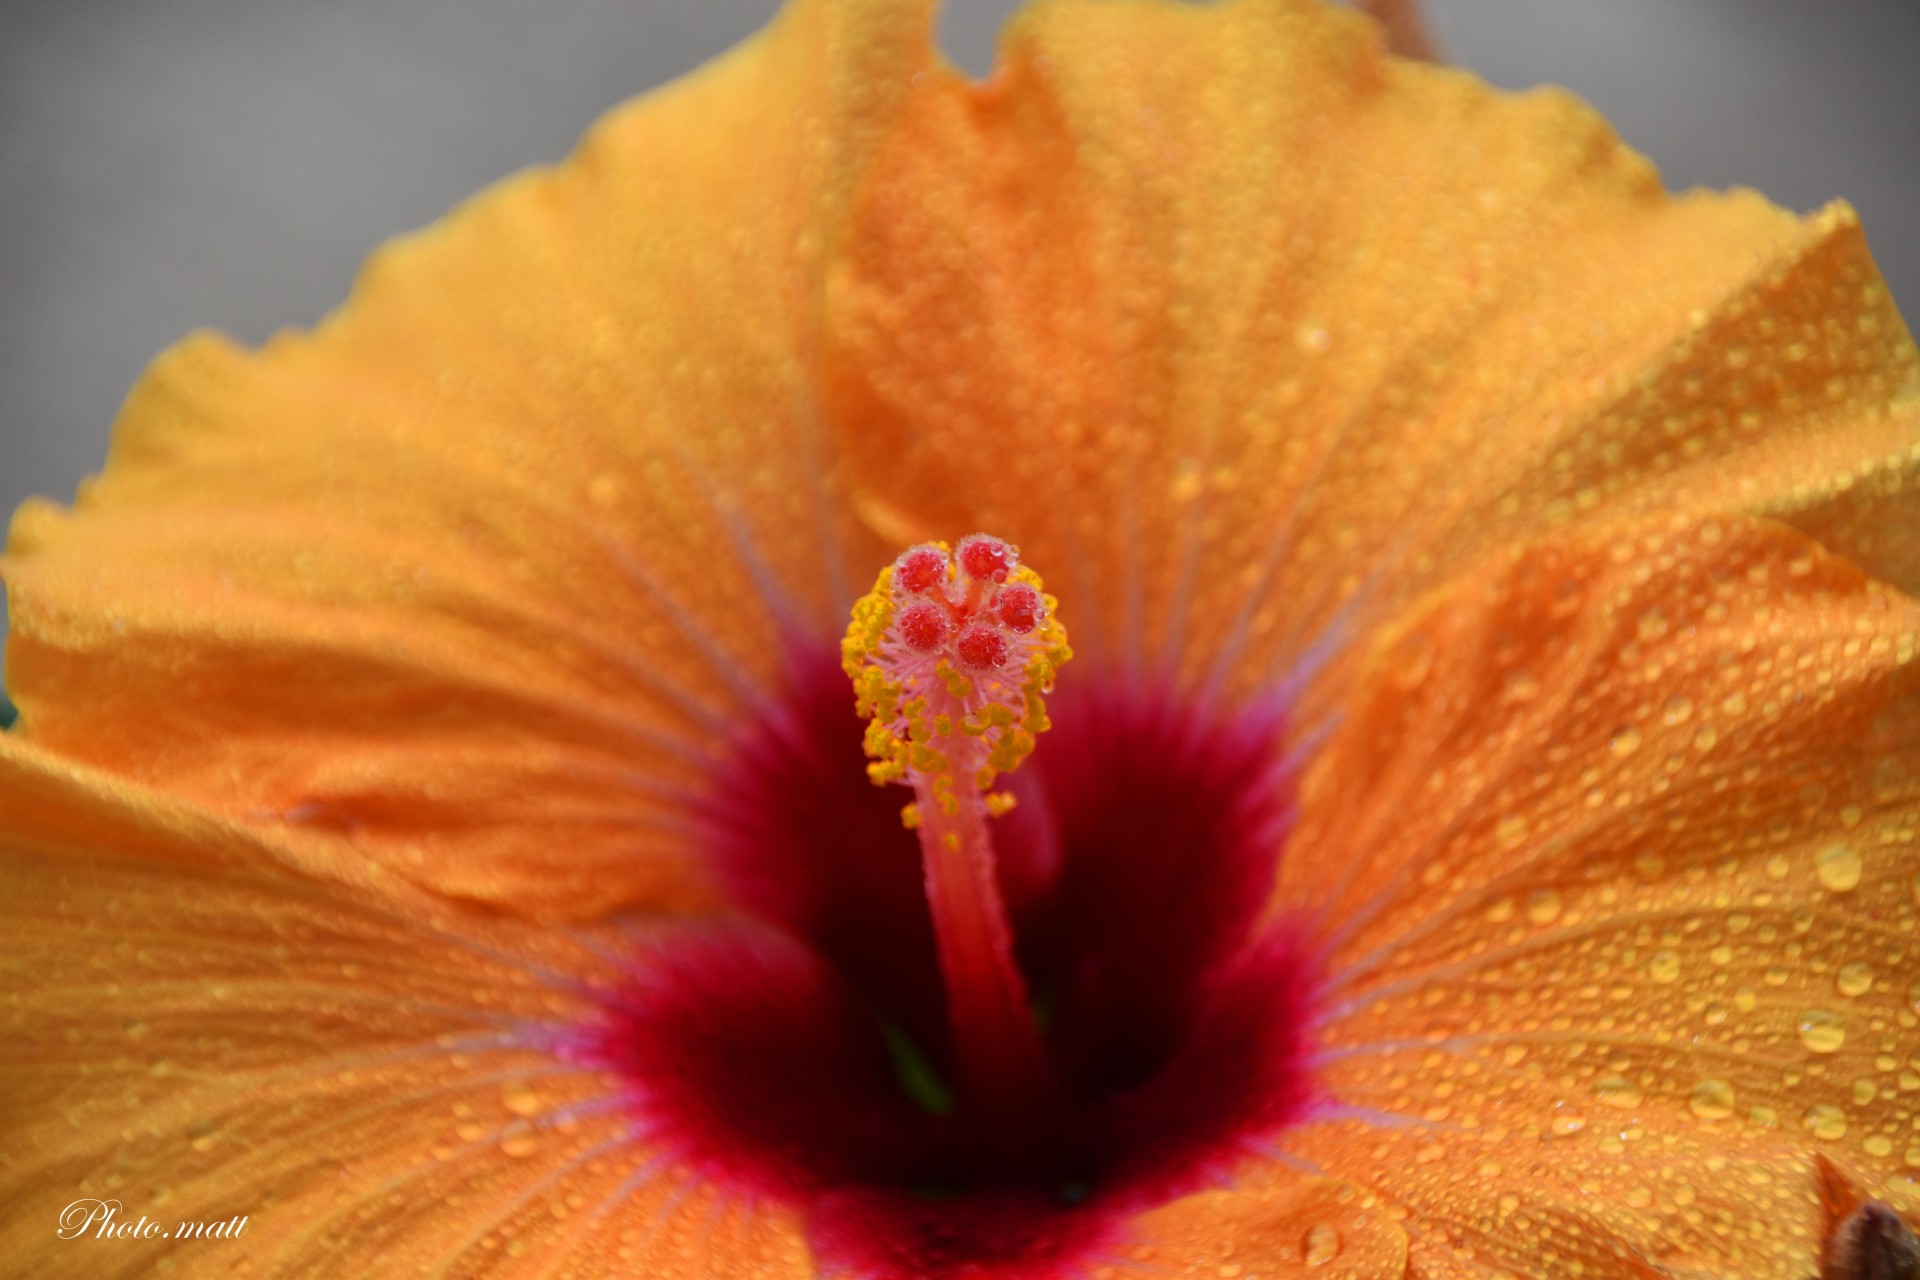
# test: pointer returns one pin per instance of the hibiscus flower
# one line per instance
(1475, 834)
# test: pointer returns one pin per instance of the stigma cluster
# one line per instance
(953, 644)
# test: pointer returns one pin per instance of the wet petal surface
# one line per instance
(1649, 944)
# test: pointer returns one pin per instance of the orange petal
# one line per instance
(475, 575)
(370, 1088)
(1249, 333)
(1273, 1222)
(1612, 857)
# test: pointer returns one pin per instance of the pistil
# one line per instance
(950, 655)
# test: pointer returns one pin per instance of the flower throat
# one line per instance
(976, 1042)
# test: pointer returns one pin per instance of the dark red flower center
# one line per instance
(802, 1052)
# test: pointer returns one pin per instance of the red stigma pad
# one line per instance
(985, 558)
(920, 569)
(981, 648)
(1019, 608)
(924, 627)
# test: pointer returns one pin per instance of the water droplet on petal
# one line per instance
(1712, 1100)
(1838, 866)
(1664, 966)
(1521, 687)
(518, 1139)
(1617, 1092)
(1321, 1246)
(1826, 1122)
(1626, 741)
(1822, 1031)
(1854, 979)
(519, 1098)
(1543, 907)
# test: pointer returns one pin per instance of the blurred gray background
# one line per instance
(166, 164)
